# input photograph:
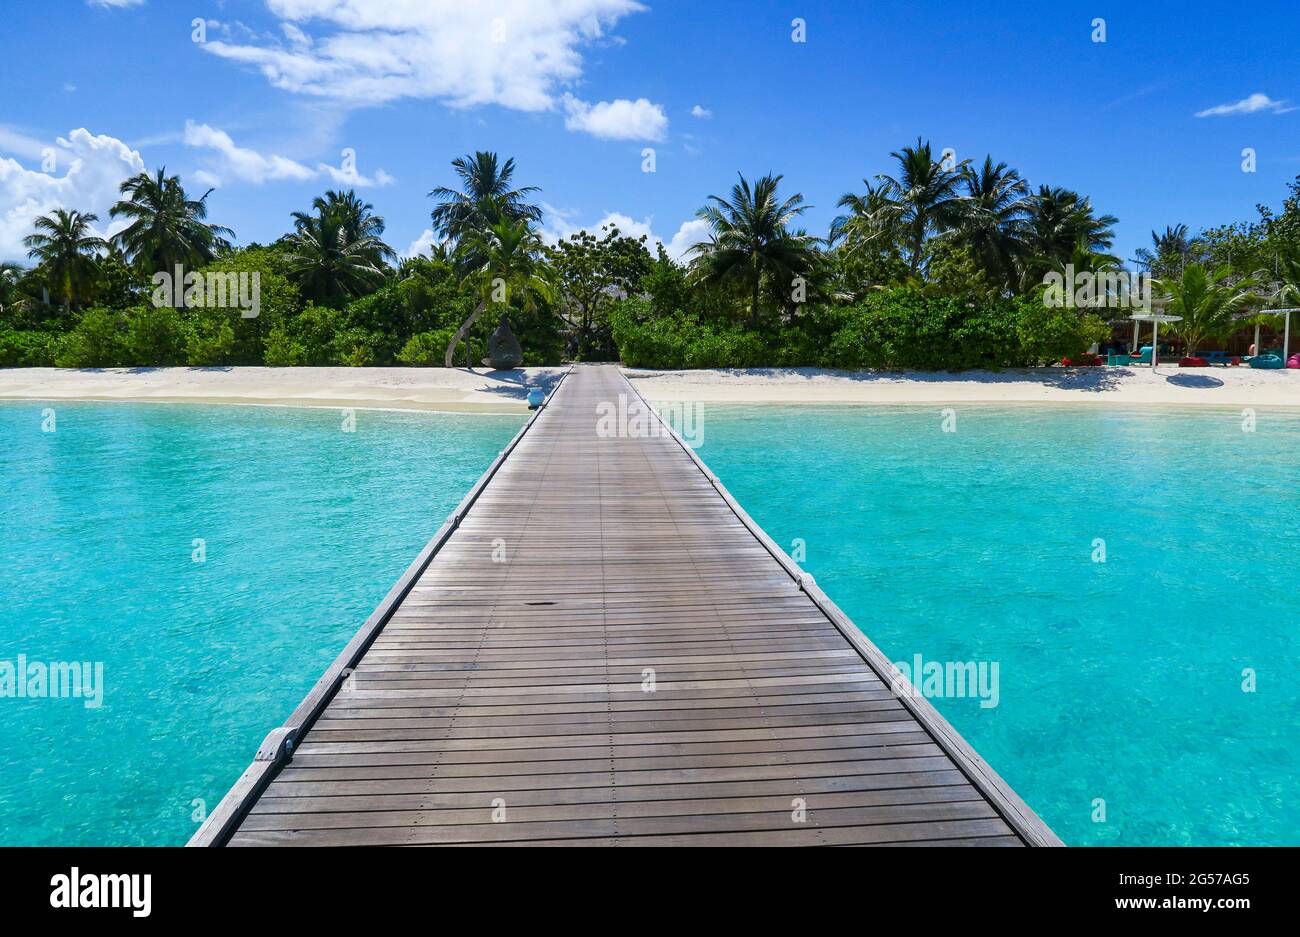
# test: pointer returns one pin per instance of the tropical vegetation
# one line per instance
(934, 263)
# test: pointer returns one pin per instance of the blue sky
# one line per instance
(577, 89)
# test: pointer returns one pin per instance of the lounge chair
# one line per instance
(1215, 357)
(1144, 355)
(1267, 361)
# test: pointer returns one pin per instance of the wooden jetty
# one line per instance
(600, 647)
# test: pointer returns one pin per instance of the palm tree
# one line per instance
(510, 263)
(750, 240)
(10, 274)
(1173, 242)
(1169, 252)
(67, 252)
(868, 223)
(994, 224)
(1058, 221)
(328, 266)
(357, 219)
(486, 196)
(1208, 305)
(167, 228)
(923, 200)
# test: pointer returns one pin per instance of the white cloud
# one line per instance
(423, 245)
(507, 52)
(1254, 104)
(240, 162)
(248, 165)
(688, 234)
(115, 4)
(86, 174)
(616, 120)
(517, 54)
(353, 179)
(13, 140)
(701, 112)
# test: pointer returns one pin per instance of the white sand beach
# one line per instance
(455, 390)
(504, 392)
(1105, 386)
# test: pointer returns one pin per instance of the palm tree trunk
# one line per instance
(462, 332)
(917, 243)
(753, 307)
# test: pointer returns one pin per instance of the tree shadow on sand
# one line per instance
(1085, 380)
(1194, 380)
(516, 383)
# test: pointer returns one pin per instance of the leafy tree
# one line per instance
(750, 240)
(666, 283)
(167, 228)
(67, 253)
(592, 273)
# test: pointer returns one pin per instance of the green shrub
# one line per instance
(283, 350)
(895, 329)
(30, 348)
(426, 349)
(100, 339)
(210, 338)
(1049, 334)
(155, 336)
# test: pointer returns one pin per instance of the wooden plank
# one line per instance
(645, 667)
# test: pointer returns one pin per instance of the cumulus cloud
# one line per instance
(701, 112)
(1254, 104)
(616, 120)
(688, 234)
(349, 177)
(423, 245)
(240, 162)
(81, 171)
(244, 164)
(517, 54)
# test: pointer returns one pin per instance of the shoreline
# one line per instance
(495, 392)
(1114, 387)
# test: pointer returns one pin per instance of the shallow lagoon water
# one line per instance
(305, 527)
(1119, 681)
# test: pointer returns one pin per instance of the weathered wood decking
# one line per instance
(508, 702)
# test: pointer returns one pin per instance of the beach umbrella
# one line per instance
(1155, 318)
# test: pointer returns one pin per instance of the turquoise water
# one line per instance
(305, 528)
(1119, 681)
